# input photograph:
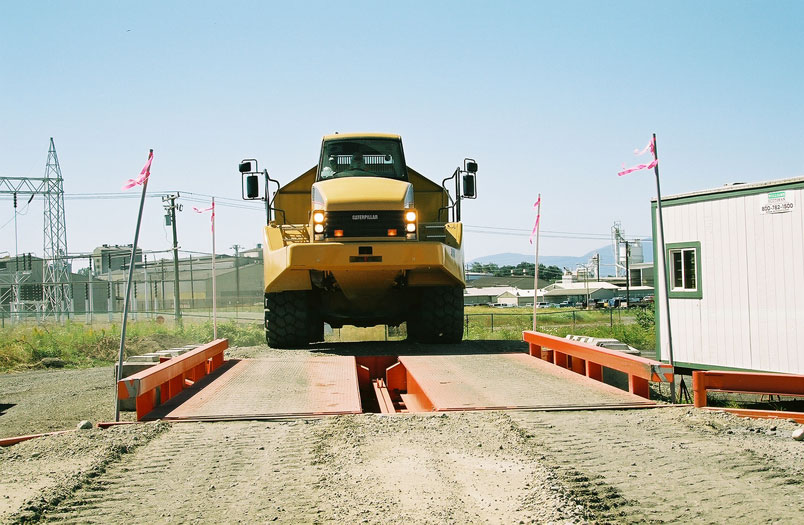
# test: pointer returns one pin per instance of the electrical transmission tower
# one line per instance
(56, 290)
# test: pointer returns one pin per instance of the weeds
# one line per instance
(79, 345)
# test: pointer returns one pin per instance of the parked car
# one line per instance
(564, 304)
(543, 305)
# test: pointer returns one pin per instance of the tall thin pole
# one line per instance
(214, 289)
(148, 309)
(192, 290)
(176, 297)
(127, 296)
(237, 276)
(91, 294)
(627, 275)
(536, 256)
(664, 272)
(16, 242)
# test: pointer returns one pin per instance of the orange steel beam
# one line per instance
(170, 376)
(7, 442)
(383, 397)
(589, 360)
(798, 417)
(748, 382)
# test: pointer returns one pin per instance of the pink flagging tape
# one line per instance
(144, 174)
(538, 216)
(650, 147)
(212, 209)
(638, 167)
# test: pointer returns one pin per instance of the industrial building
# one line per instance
(22, 291)
(735, 265)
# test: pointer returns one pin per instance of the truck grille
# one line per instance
(364, 223)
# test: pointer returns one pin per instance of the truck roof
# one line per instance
(339, 136)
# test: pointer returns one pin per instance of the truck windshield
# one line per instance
(362, 158)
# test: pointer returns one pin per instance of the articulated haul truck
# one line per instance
(364, 240)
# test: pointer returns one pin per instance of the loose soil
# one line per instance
(672, 464)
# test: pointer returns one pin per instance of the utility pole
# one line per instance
(171, 217)
(237, 274)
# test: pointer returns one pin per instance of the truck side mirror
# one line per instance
(252, 186)
(471, 167)
(245, 166)
(469, 189)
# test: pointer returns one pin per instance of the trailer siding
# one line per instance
(751, 311)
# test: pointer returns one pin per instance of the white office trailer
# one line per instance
(735, 263)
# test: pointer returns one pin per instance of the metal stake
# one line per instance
(664, 275)
(127, 297)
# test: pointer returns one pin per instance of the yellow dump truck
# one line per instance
(362, 239)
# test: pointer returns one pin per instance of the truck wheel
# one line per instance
(439, 316)
(287, 319)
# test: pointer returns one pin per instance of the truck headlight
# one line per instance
(318, 228)
(318, 217)
(410, 224)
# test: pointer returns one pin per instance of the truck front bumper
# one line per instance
(425, 263)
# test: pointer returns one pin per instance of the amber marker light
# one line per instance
(338, 233)
(391, 232)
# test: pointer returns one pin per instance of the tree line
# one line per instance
(548, 273)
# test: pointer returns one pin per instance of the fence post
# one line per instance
(573, 320)
(467, 324)
(492, 323)
(611, 318)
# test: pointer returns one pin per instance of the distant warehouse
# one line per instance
(735, 263)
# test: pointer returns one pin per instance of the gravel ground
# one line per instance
(672, 464)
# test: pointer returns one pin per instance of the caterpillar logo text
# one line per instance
(372, 217)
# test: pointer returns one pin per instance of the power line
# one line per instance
(518, 232)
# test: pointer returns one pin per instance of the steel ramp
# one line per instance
(500, 381)
(274, 388)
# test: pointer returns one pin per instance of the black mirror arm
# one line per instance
(453, 203)
(269, 203)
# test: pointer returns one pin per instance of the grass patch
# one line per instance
(78, 345)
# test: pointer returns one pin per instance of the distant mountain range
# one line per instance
(565, 261)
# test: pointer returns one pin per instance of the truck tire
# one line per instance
(438, 315)
(287, 319)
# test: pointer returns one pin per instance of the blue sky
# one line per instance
(548, 97)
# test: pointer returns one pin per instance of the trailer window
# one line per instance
(362, 158)
(684, 268)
